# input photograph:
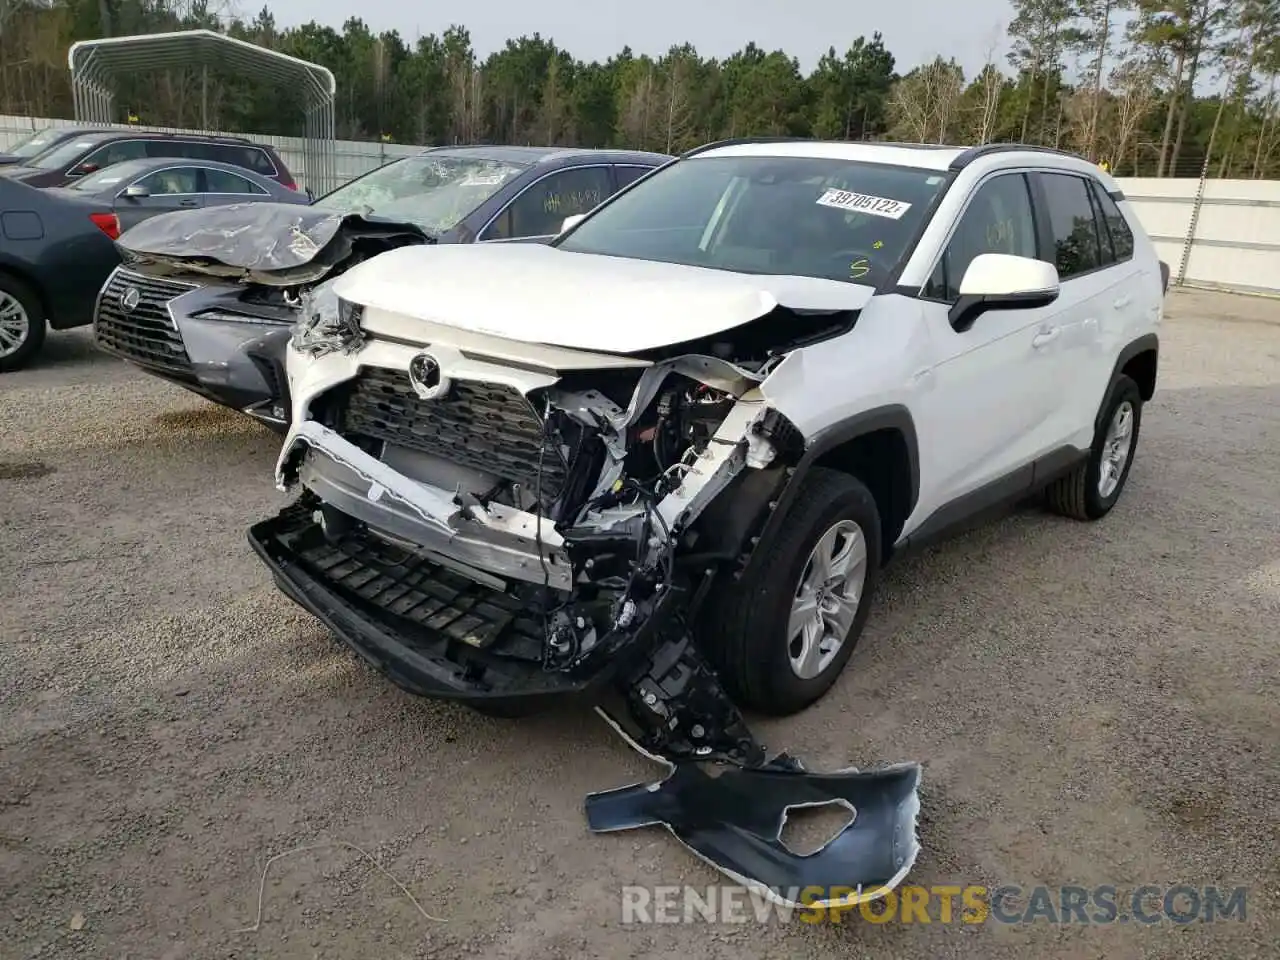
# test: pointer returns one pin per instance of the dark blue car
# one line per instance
(206, 298)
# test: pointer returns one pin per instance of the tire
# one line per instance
(20, 306)
(745, 630)
(1080, 494)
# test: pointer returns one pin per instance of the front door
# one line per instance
(174, 188)
(986, 402)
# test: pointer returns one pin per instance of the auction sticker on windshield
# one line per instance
(862, 203)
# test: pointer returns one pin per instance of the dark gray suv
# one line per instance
(69, 158)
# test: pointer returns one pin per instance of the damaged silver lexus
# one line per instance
(205, 297)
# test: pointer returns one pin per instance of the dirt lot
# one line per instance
(1092, 703)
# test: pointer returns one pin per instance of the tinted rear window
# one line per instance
(251, 158)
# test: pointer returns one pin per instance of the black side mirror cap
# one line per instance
(967, 309)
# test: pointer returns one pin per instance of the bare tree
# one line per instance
(1267, 138)
(924, 103)
(637, 113)
(678, 119)
(1134, 95)
(990, 87)
(909, 110)
(1095, 41)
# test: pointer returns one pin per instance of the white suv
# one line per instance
(694, 428)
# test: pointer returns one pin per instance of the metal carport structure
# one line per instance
(95, 64)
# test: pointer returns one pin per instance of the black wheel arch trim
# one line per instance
(888, 417)
(1144, 343)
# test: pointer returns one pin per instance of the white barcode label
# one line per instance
(862, 203)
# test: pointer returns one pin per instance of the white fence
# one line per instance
(1222, 234)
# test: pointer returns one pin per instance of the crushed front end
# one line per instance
(502, 523)
(206, 298)
(500, 531)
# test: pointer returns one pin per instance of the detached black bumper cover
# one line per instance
(432, 631)
(734, 822)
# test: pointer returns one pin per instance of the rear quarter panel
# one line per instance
(57, 249)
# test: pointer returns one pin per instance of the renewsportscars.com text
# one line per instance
(943, 903)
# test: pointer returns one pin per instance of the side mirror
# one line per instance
(83, 170)
(572, 221)
(999, 281)
(136, 191)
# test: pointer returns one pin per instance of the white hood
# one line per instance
(537, 294)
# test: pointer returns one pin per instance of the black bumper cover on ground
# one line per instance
(431, 631)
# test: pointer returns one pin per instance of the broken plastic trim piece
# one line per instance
(734, 822)
(327, 324)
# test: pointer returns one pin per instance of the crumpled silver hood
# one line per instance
(271, 243)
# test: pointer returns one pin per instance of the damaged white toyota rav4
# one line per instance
(665, 457)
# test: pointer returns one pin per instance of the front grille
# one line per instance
(486, 426)
(146, 333)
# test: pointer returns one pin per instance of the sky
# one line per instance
(914, 30)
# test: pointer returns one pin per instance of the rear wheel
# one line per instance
(781, 636)
(1092, 488)
(22, 323)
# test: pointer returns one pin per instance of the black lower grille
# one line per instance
(416, 591)
(142, 331)
(485, 426)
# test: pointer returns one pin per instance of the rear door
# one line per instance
(221, 187)
(1095, 295)
(248, 156)
(627, 174)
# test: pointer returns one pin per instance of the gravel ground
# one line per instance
(1092, 703)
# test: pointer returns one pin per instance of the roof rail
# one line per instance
(974, 153)
(735, 141)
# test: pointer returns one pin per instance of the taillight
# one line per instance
(108, 223)
(290, 185)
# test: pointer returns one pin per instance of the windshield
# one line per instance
(63, 154)
(434, 191)
(832, 218)
(30, 146)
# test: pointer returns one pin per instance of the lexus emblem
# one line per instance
(425, 377)
(129, 299)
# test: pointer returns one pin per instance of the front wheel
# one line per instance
(781, 636)
(22, 325)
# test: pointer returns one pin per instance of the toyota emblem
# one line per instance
(129, 299)
(425, 377)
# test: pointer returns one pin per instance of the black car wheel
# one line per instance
(781, 636)
(1092, 489)
(22, 324)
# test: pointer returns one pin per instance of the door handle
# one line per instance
(1122, 303)
(188, 203)
(1045, 338)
